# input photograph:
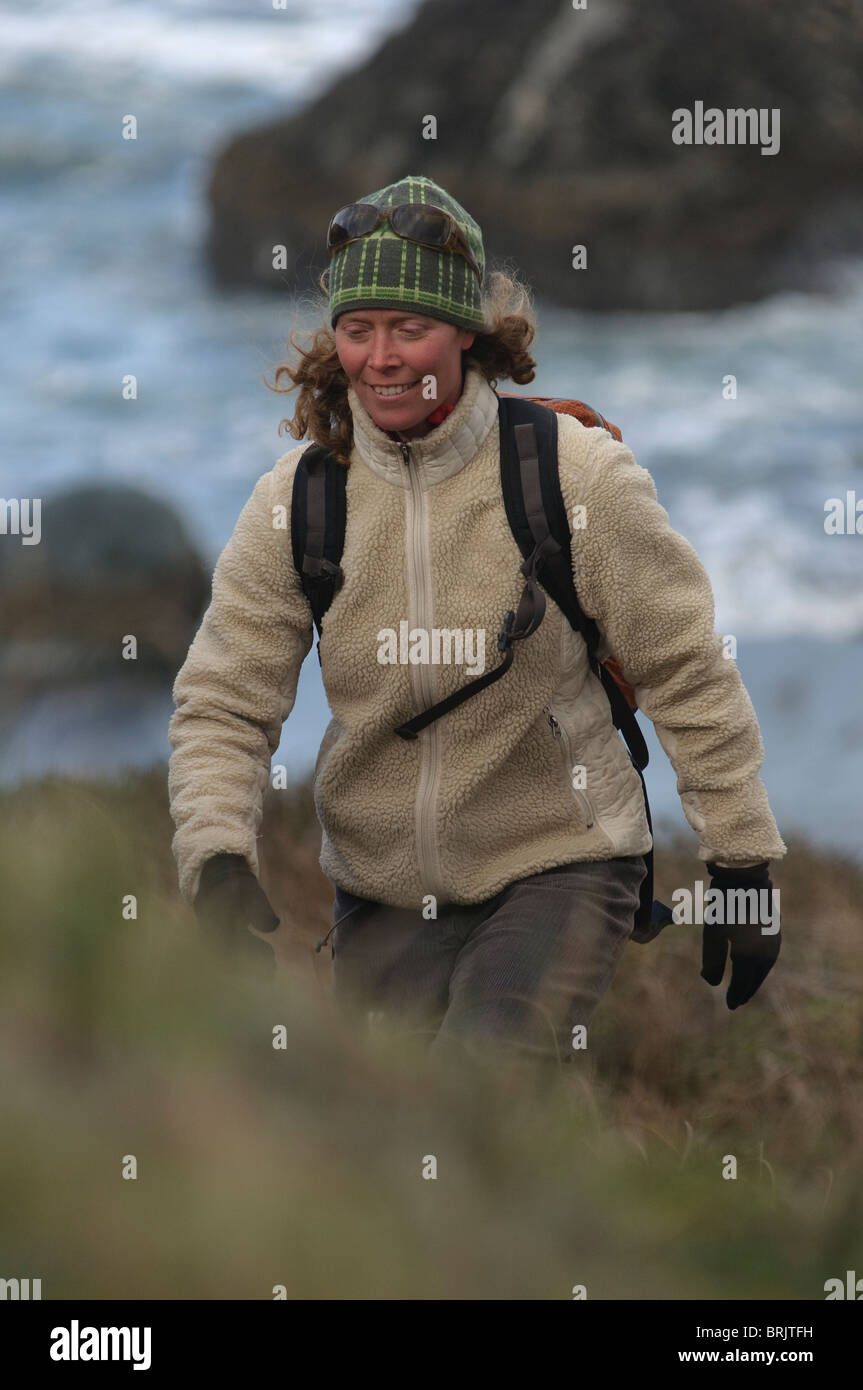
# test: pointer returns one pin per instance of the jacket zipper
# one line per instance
(581, 797)
(430, 747)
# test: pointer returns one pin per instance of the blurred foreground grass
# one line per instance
(303, 1167)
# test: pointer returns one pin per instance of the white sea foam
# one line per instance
(286, 51)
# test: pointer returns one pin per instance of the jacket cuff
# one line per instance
(740, 864)
(738, 875)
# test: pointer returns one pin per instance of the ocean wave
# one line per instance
(288, 51)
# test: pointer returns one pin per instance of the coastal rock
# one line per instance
(106, 562)
(110, 561)
(554, 127)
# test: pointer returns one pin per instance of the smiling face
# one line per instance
(392, 348)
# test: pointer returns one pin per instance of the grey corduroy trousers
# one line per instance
(517, 973)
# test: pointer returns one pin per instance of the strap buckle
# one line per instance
(504, 637)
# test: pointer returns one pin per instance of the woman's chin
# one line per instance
(393, 418)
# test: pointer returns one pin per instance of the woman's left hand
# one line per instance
(755, 941)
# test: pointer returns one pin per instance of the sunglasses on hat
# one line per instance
(419, 222)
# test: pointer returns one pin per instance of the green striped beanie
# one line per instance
(384, 271)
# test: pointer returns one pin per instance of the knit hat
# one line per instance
(385, 271)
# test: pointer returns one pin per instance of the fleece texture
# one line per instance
(486, 794)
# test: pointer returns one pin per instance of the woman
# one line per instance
(480, 899)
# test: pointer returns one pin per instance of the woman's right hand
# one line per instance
(228, 900)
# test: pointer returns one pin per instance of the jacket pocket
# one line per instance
(561, 734)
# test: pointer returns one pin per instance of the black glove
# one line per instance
(753, 952)
(229, 896)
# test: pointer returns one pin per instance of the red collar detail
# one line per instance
(436, 418)
(439, 415)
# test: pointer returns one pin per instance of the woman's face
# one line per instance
(396, 347)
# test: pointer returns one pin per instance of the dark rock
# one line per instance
(554, 129)
(111, 561)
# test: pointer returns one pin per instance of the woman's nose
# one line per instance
(382, 352)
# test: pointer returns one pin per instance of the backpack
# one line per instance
(537, 517)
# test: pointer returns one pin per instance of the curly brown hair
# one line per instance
(322, 412)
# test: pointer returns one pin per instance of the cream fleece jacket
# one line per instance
(487, 793)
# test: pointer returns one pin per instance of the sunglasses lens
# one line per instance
(429, 226)
(421, 224)
(352, 221)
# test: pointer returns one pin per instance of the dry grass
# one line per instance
(303, 1166)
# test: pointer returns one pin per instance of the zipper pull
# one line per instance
(552, 722)
(406, 452)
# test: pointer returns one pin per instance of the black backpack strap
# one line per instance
(318, 518)
(515, 626)
(537, 516)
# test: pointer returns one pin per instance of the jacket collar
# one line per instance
(440, 453)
